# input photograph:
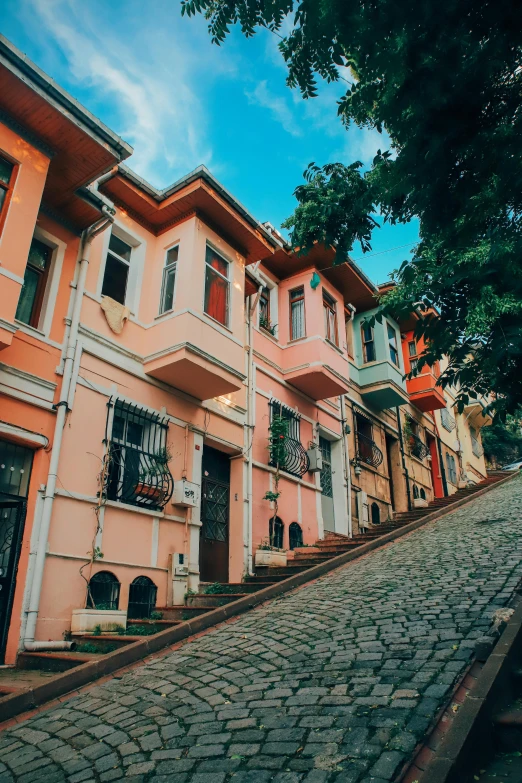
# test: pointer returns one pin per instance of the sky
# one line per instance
(155, 78)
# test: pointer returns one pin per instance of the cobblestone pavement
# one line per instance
(333, 683)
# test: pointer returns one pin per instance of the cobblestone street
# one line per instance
(333, 683)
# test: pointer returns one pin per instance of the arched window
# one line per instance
(423, 493)
(415, 492)
(276, 532)
(142, 598)
(103, 592)
(295, 535)
(376, 514)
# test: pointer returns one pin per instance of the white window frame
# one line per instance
(274, 302)
(228, 262)
(47, 309)
(166, 268)
(397, 345)
(136, 267)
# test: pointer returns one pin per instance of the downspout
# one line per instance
(250, 426)
(347, 466)
(403, 459)
(61, 412)
(442, 468)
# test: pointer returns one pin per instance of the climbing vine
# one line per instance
(278, 432)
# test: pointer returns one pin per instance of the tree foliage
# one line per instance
(502, 441)
(444, 81)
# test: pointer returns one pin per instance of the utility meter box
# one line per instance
(316, 459)
(179, 564)
(186, 493)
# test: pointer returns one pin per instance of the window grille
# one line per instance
(15, 468)
(138, 469)
(277, 530)
(142, 598)
(295, 535)
(296, 459)
(103, 591)
(367, 450)
(376, 514)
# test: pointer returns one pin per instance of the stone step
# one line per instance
(508, 729)
(54, 661)
(228, 587)
(263, 581)
(180, 612)
(202, 601)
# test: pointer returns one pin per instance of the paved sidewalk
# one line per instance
(333, 683)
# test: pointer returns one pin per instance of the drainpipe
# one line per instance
(442, 468)
(61, 413)
(403, 459)
(347, 469)
(250, 424)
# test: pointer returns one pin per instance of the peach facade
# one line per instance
(148, 339)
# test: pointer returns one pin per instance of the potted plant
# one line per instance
(267, 554)
(107, 619)
(264, 323)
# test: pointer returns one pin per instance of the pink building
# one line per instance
(148, 338)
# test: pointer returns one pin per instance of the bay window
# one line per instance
(117, 267)
(169, 280)
(217, 286)
(297, 313)
(35, 280)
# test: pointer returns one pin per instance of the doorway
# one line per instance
(215, 501)
(15, 471)
(436, 478)
(327, 500)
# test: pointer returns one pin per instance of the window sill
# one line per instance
(297, 339)
(268, 334)
(334, 346)
(214, 322)
(164, 315)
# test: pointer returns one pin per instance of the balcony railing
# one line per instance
(295, 460)
(368, 452)
(417, 447)
(448, 422)
(476, 448)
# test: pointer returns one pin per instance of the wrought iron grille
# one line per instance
(367, 451)
(138, 470)
(142, 598)
(277, 531)
(476, 448)
(326, 472)
(103, 592)
(447, 420)
(295, 535)
(417, 447)
(215, 510)
(295, 459)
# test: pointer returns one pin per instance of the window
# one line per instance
(117, 268)
(138, 470)
(392, 344)
(349, 334)
(35, 279)
(447, 420)
(412, 353)
(476, 448)
(142, 598)
(376, 514)
(264, 309)
(6, 183)
(295, 458)
(277, 531)
(297, 313)
(103, 591)
(330, 318)
(452, 468)
(15, 470)
(295, 535)
(216, 286)
(368, 343)
(169, 280)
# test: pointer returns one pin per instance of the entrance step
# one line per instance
(54, 661)
(200, 600)
(180, 613)
(225, 589)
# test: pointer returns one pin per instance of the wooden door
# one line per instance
(214, 534)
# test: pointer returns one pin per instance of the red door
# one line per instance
(436, 478)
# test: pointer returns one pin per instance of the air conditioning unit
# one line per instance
(362, 509)
(186, 493)
(315, 458)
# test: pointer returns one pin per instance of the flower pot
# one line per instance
(270, 557)
(148, 491)
(86, 620)
(420, 503)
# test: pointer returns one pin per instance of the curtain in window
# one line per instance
(298, 321)
(216, 287)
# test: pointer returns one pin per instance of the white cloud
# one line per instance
(148, 78)
(277, 106)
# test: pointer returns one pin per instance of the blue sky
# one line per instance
(156, 79)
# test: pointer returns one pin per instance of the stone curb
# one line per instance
(468, 740)
(72, 680)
